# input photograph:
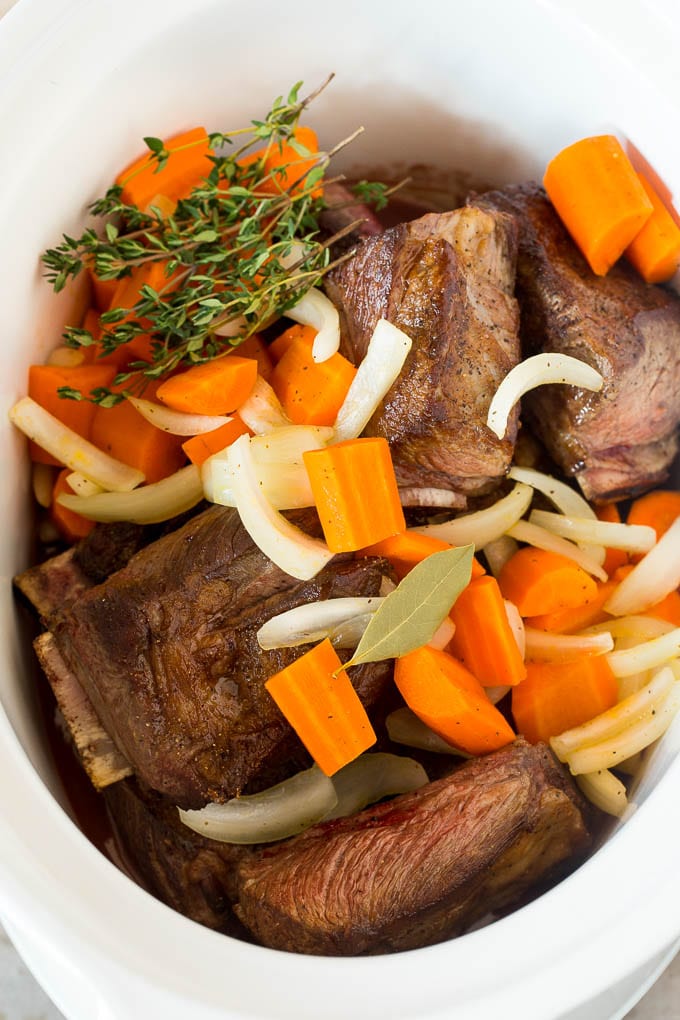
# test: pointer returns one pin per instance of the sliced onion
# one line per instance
(404, 727)
(632, 630)
(627, 685)
(483, 526)
(233, 327)
(371, 777)
(654, 577)
(516, 625)
(636, 538)
(648, 655)
(496, 694)
(289, 444)
(498, 552)
(175, 422)
(281, 811)
(539, 370)
(81, 485)
(604, 790)
(384, 359)
(350, 633)
(262, 411)
(71, 449)
(314, 309)
(443, 634)
(287, 546)
(430, 497)
(148, 505)
(532, 534)
(66, 357)
(544, 646)
(313, 621)
(285, 486)
(42, 481)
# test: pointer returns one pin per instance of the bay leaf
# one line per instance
(410, 615)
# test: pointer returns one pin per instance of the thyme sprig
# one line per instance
(238, 252)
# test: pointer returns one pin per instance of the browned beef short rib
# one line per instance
(341, 212)
(166, 651)
(422, 867)
(622, 440)
(447, 280)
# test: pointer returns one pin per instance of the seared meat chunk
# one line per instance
(446, 280)
(621, 440)
(166, 651)
(422, 867)
(342, 211)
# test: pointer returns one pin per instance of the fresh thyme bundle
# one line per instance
(239, 251)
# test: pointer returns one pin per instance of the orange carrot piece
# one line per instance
(279, 346)
(102, 290)
(71, 525)
(484, 641)
(311, 393)
(122, 432)
(92, 324)
(199, 448)
(43, 383)
(667, 609)
(409, 548)
(316, 696)
(189, 163)
(216, 387)
(287, 167)
(655, 250)
(658, 510)
(598, 196)
(541, 582)
(255, 347)
(356, 494)
(614, 558)
(448, 699)
(568, 621)
(558, 695)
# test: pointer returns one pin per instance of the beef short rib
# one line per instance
(422, 867)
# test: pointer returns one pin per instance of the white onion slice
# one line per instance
(517, 625)
(443, 634)
(498, 552)
(637, 538)
(233, 327)
(384, 359)
(404, 727)
(350, 633)
(483, 526)
(290, 443)
(316, 310)
(532, 534)
(313, 621)
(605, 791)
(66, 357)
(280, 811)
(176, 422)
(496, 694)
(285, 486)
(371, 777)
(632, 629)
(71, 449)
(539, 370)
(651, 579)
(81, 485)
(148, 505)
(42, 482)
(262, 411)
(430, 497)
(287, 546)
(544, 646)
(648, 655)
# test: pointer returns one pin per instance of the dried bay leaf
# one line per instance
(411, 614)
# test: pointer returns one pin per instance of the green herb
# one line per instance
(411, 614)
(241, 250)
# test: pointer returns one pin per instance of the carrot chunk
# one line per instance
(542, 582)
(311, 393)
(484, 640)
(356, 494)
(122, 432)
(199, 448)
(406, 550)
(556, 696)
(614, 558)
(655, 250)
(287, 167)
(216, 387)
(658, 510)
(278, 347)
(43, 383)
(316, 696)
(102, 290)
(567, 621)
(448, 699)
(599, 198)
(189, 163)
(255, 347)
(72, 526)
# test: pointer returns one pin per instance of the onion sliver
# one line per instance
(285, 545)
(285, 486)
(645, 656)
(350, 633)
(544, 646)
(430, 497)
(313, 621)
(651, 579)
(532, 534)
(232, 327)
(498, 552)
(636, 538)
(262, 411)
(486, 525)
(495, 694)
(71, 449)
(280, 811)
(176, 422)
(148, 505)
(42, 481)
(314, 309)
(609, 724)
(404, 727)
(443, 634)
(539, 370)
(290, 443)
(604, 790)
(633, 629)
(384, 359)
(371, 777)
(516, 625)
(81, 485)
(66, 357)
